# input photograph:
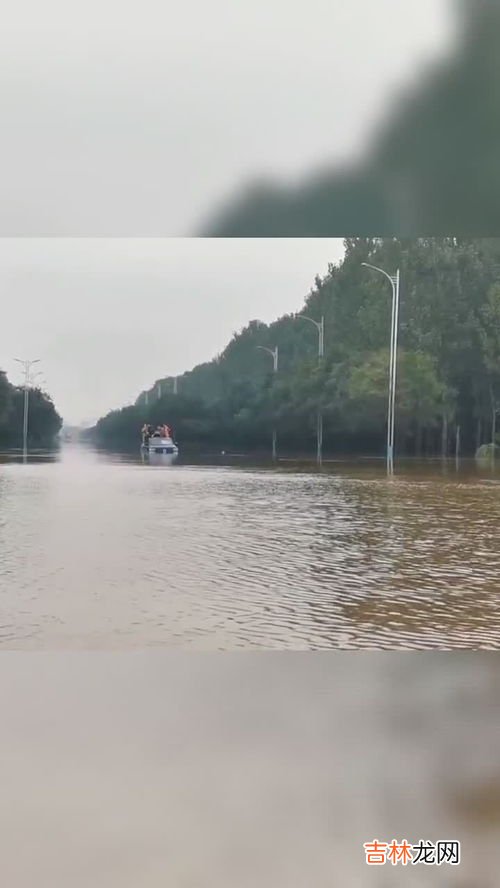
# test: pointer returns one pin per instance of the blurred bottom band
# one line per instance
(262, 769)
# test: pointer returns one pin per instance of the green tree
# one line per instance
(419, 393)
(449, 318)
(44, 421)
(489, 335)
(5, 401)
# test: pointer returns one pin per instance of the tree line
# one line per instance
(44, 421)
(448, 372)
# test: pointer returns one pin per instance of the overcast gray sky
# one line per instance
(133, 118)
(109, 316)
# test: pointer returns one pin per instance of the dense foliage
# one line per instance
(44, 421)
(448, 365)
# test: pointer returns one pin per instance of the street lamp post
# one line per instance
(159, 390)
(394, 281)
(274, 354)
(320, 326)
(27, 365)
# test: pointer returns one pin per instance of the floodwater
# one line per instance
(99, 551)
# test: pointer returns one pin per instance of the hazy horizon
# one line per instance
(107, 317)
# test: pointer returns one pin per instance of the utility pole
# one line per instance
(274, 354)
(320, 326)
(27, 365)
(393, 355)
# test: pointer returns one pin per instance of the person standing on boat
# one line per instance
(167, 432)
(145, 434)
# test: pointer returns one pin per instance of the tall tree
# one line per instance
(447, 369)
(489, 332)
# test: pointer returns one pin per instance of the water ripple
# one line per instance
(103, 555)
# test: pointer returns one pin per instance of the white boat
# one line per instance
(156, 445)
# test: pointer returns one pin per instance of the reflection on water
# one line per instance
(258, 771)
(100, 551)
